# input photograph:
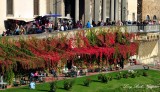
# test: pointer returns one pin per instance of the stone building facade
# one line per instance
(149, 9)
(21, 9)
(88, 10)
(85, 10)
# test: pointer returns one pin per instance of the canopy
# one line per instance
(22, 19)
(64, 18)
(53, 15)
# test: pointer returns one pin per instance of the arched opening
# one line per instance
(148, 18)
(154, 17)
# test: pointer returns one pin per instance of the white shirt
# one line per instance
(62, 28)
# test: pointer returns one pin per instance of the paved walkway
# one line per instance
(126, 67)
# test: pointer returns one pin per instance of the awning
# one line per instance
(53, 15)
(22, 19)
(64, 18)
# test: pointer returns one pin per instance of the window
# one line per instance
(9, 7)
(36, 7)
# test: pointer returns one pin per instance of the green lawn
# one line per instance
(137, 84)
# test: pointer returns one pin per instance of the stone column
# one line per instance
(124, 9)
(116, 10)
(108, 8)
(97, 11)
(77, 10)
(87, 12)
(104, 10)
(112, 10)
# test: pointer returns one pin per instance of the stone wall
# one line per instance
(148, 52)
(151, 8)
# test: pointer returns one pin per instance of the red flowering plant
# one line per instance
(91, 45)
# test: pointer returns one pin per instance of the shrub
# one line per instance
(87, 81)
(53, 86)
(133, 75)
(103, 78)
(118, 76)
(68, 84)
(138, 74)
(99, 76)
(125, 75)
(110, 78)
(145, 74)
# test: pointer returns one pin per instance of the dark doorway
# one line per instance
(70, 8)
(81, 9)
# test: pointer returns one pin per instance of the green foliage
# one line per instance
(103, 78)
(133, 75)
(110, 78)
(145, 74)
(91, 35)
(68, 84)
(87, 81)
(119, 37)
(118, 76)
(9, 75)
(125, 75)
(53, 86)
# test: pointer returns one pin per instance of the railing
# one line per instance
(143, 28)
(70, 33)
(152, 28)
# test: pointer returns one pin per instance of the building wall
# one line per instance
(21, 9)
(132, 8)
(3, 16)
(148, 52)
(151, 8)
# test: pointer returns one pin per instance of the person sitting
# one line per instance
(32, 85)
(65, 71)
(22, 81)
(73, 71)
(53, 72)
(36, 75)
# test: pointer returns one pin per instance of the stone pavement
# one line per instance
(126, 67)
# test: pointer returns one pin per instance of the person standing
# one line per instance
(88, 25)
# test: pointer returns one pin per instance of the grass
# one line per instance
(137, 84)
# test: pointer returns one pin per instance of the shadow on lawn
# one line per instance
(61, 88)
(24, 88)
(81, 84)
(95, 81)
(44, 90)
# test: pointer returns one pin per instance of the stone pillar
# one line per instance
(116, 10)
(97, 11)
(62, 8)
(112, 10)
(108, 8)
(104, 10)
(124, 9)
(77, 10)
(87, 15)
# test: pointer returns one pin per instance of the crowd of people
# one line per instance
(41, 25)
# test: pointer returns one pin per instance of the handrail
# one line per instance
(130, 29)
